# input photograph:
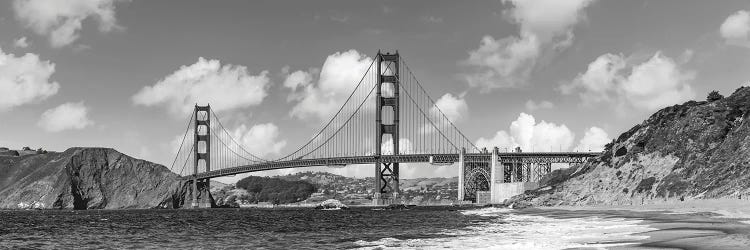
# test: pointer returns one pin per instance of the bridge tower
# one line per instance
(386, 173)
(202, 152)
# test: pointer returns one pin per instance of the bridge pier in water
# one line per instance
(200, 193)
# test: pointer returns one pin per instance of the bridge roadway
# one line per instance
(526, 157)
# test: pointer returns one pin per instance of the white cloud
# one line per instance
(453, 107)
(225, 87)
(657, 83)
(650, 85)
(601, 77)
(508, 62)
(62, 20)
(547, 18)
(736, 29)
(339, 75)
(404, 146)
(24, 80)
(68, 116)
(21, 43)
(298, 79)
(533, 106)
(261, 139)
(594, 140)
(502, 63)
(501, 139)
(526, 133)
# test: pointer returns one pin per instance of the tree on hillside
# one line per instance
(714, 96)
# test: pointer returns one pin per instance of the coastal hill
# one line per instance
(85, 178)
(696, 150)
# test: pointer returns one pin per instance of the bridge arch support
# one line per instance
(507, 174)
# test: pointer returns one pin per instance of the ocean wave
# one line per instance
(488, 211)
(522, 231)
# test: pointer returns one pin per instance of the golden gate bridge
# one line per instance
(388, 119)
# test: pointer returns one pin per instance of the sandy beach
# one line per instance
(690, 224)
(724, 208)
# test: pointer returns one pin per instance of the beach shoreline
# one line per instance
(723, 208)
(690, 224)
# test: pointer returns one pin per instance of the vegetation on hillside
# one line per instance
(714, 96)
(275, 190)
(694, 150)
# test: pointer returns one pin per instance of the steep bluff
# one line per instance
(87, 178)
(690, 151)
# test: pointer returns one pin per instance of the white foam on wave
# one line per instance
(488, 211)
(518, 231)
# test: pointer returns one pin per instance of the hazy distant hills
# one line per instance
(699, 149)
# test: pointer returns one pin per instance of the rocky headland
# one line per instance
(696, 150)
(86, 178)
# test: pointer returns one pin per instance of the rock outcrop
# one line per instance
(690, 151)
(87, 178)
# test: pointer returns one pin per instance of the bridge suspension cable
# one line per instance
(182, 156)
(437, 132)
(185, 151)
(321, 144)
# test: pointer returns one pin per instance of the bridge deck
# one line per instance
(536, 157)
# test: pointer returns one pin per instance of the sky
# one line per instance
(543, 75)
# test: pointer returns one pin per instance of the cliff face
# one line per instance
(694, 150)
(87, 178)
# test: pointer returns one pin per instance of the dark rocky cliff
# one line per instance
(87, 178)
(690, 151)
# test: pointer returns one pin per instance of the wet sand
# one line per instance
(695, 224)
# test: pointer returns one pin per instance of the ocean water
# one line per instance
(359, 228)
